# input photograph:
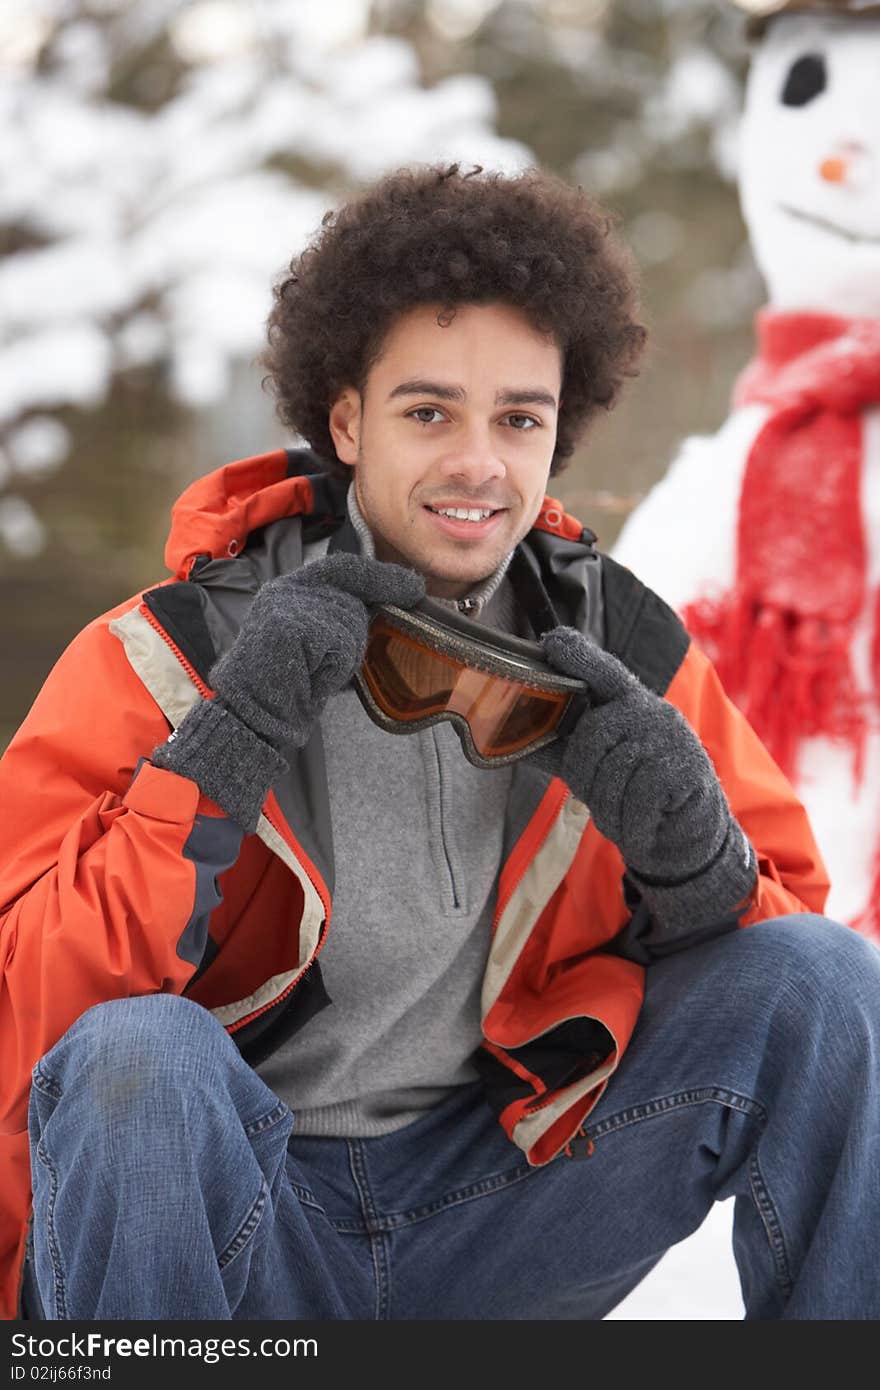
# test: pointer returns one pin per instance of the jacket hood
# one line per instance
(216, 513)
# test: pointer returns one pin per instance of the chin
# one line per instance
(458, 578)
(466, 577)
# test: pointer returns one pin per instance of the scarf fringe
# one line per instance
(791, 676)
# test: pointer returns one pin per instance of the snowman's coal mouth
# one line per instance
(826, 226)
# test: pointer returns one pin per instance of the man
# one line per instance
(207, 842)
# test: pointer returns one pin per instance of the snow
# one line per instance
(21, 530)
(67, 364)
(73, 279)
(458, 19)
(142, 339)
(38, 447)
(694, 1281)
(212, 31)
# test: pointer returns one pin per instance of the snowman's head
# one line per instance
(810, 161)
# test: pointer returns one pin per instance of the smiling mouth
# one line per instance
(471, 514)
(824, 225)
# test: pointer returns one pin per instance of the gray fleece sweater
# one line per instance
(417, 834)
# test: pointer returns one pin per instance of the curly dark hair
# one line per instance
(437, 235)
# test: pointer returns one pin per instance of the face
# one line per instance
(810, 162)
(451, 440)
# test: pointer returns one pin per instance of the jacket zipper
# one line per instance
(204, 690)
(279, 999)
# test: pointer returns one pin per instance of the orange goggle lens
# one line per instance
(410, 681)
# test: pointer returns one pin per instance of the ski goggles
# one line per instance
(501, 696)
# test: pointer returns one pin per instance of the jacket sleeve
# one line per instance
(108, 866)
(791, 874)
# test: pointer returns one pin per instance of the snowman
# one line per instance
(766, 537)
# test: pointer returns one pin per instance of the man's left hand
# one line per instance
(650, 786)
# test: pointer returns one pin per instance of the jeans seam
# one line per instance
(393, 1221)
(373, 1227)
(272, 1117)
(307, 1197)
(246, 1229)
(382, 1265)
(772, 1226)
(45, 1083)
(661, 1105)
(485, 1188)
(51, 1238)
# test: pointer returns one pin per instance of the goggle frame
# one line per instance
(473, 646)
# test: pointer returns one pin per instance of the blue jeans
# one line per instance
(168, 1184)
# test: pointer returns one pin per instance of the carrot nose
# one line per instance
(834, 169)
(848, 163)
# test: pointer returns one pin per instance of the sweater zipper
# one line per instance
(441, 819)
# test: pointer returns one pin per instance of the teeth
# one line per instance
(462, 513)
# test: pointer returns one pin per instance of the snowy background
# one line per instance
(695, 1281)
(160, 162)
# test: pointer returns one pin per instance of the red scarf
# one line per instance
(781, 638)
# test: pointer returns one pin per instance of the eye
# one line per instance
(806, 79)
(522, 422)
(426, 414)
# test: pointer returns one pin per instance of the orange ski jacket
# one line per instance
(120, 879)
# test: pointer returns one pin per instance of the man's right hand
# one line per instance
(302, 641)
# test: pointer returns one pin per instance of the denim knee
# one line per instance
(122, 1048)
(825, 956)
(819, 980)
(153, 1017)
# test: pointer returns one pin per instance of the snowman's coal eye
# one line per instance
(805, 80)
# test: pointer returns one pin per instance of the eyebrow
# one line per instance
(530, 395)
(535, 395)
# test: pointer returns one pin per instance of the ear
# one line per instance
(345, 425)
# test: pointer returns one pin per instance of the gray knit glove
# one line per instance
(301, 642)
(650, 786)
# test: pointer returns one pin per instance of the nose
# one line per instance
(473, 458)
(847, 164)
